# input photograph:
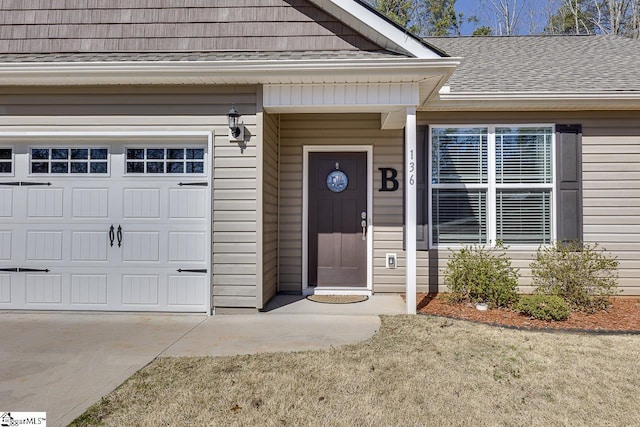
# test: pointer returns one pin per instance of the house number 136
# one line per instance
(412, 168)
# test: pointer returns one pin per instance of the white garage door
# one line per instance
(118, 227)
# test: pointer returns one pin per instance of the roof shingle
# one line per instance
(192, 56)
(576, 64)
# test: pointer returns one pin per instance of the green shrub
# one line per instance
(543, 307)
(481, 274)
(584, 275)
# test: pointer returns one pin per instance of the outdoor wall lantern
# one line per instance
(236, 129)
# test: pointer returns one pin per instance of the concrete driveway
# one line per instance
(62, 363)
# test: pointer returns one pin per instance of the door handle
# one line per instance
(112, 235)
(33, 184)
(363, 224)
(119, 235)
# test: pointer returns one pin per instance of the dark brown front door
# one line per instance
(337, 209)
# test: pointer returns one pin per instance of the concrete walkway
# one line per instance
(62, 363)
(288, 323)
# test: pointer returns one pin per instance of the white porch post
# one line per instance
(410, 207)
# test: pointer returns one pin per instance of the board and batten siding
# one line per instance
(297, 130)
(611, 184)
(270, 191)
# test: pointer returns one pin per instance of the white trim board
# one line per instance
(375, 27)
(306, 149)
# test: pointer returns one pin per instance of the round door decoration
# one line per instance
(337, 181)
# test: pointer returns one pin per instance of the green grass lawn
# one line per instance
(417, 370)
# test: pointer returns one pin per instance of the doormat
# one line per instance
(337, 299)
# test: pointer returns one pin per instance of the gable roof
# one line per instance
(119, 26)
(543, 64)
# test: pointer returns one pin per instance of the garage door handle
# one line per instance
(191, 270)
(119, 235)
(112, 235)
(197, 184)
(31, 184)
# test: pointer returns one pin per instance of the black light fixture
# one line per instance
(236, 129)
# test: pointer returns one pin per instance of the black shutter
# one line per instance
(569, 186)
(422, 180)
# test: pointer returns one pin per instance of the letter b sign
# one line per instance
(389, 181)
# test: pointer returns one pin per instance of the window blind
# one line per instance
(523, 155)
(523, 216)
(460, 216)
(459, 156)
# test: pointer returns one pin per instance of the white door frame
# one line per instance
(306, 149)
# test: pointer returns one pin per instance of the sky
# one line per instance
(474, 7)
(469, 8)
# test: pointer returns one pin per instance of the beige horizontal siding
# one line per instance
(210, 101)
(235, 214)
(611, 183)
(270, 193)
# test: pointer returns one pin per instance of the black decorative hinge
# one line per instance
(25, 183)
(25, 270)
(192, 270)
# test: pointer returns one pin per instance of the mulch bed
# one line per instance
(622, 316)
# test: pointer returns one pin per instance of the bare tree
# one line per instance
(506, 15)
(617, 17)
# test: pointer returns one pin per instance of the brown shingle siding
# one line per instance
(41, 26)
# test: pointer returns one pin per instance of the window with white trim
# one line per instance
(491, 183)
(156, 160)
(6, 161)
(69, 160)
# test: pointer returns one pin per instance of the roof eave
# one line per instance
(225, 72)
(531, 101)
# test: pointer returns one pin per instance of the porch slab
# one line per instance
(376, 305)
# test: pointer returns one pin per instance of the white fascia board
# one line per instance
(225, 72)
(379, 30)
(527, 101)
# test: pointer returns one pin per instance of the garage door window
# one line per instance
(176, 161)
(65, 160)
(6, 161)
